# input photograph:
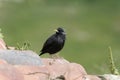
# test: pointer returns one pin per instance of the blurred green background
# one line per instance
(91, 26)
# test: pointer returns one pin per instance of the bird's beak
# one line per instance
(56, 30)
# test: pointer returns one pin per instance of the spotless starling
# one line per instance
(55, 42)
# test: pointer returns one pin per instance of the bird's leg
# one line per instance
(57, 56)
(53, 57)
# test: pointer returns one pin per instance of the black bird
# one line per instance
(54, 43)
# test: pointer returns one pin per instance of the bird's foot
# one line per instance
(55, 57)
(52, 61)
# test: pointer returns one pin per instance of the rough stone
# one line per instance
(17, 57)
(8, 72)
(2, 44)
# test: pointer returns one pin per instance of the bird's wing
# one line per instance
(49, 42)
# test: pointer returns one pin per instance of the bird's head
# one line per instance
(60, 31)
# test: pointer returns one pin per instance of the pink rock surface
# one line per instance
(61, 67)
(8, 72)
(33, 72)
(2, 44)
(92, 77)
(51, 69)
(3, 61)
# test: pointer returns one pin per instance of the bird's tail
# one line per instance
(41, 53)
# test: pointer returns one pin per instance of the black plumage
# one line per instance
(54, 43)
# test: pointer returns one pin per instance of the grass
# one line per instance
(25, 46)
(113, 68)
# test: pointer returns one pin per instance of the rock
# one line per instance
(111, 77)
(16, 57)
(8, 72)
(77, 72)
(27, 65)
(3, 61)
(52, 70)
(93, 77)
(62, 68)
(2, 44)
(33, 72)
